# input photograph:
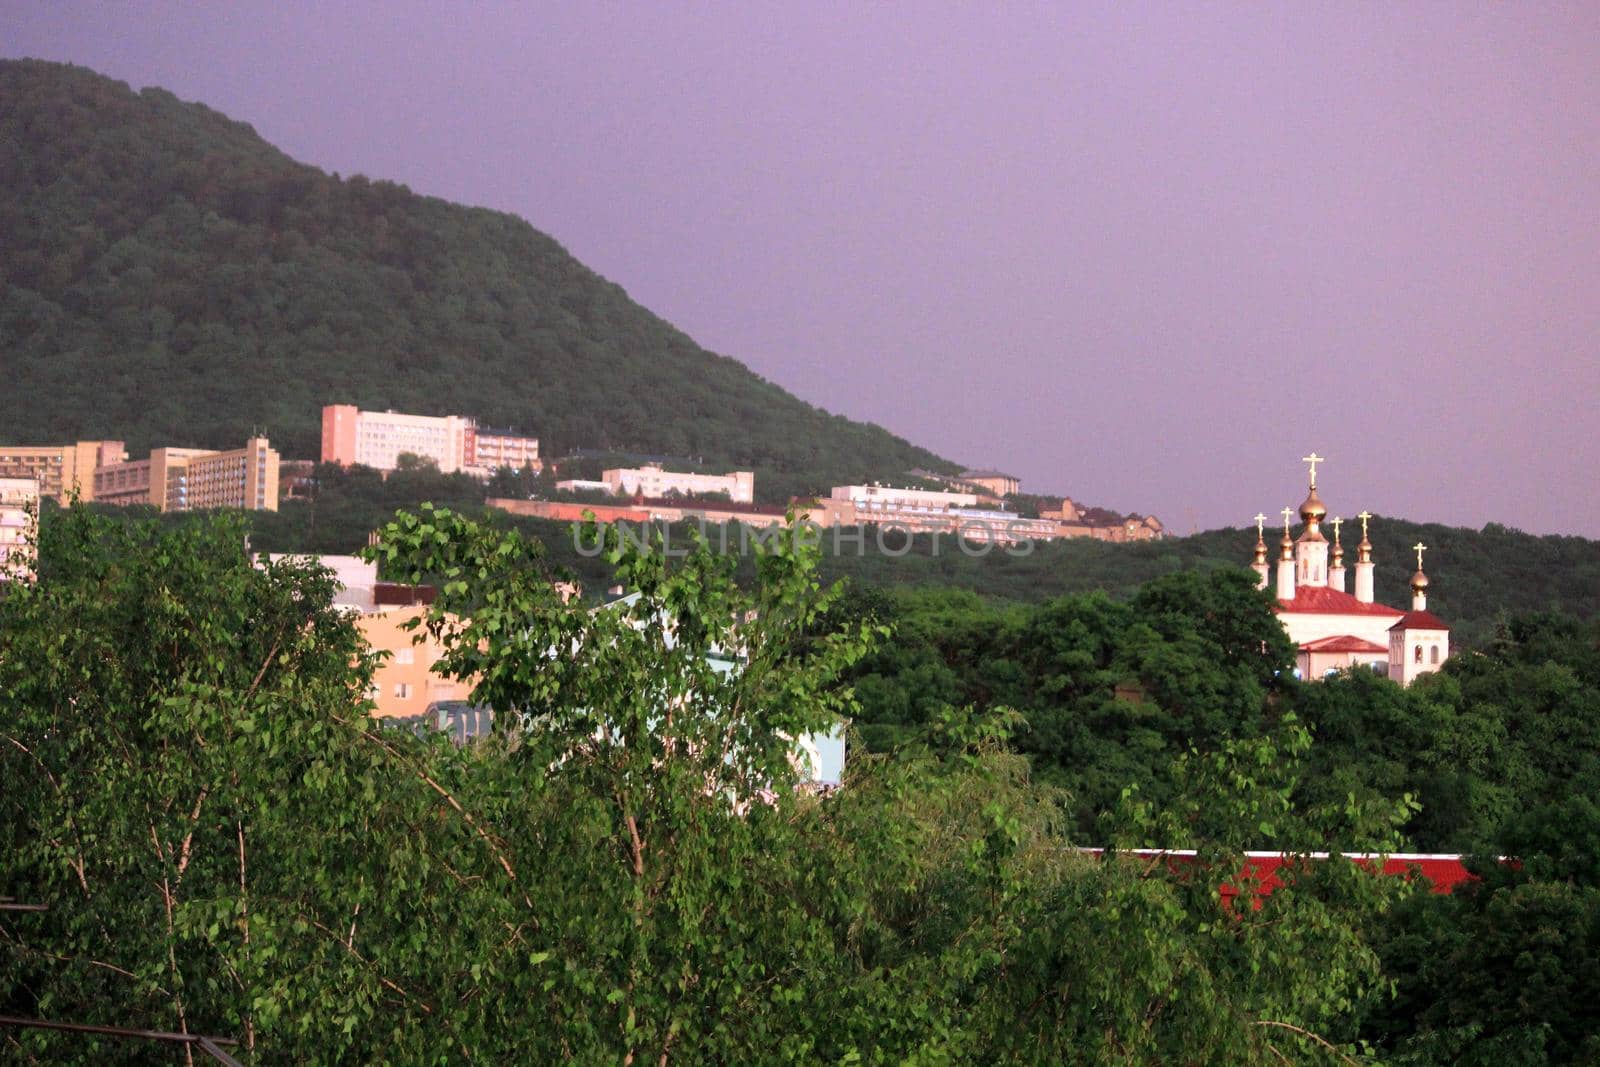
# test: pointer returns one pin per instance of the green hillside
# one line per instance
(168, 277)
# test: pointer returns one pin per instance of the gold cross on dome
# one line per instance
(1421, 548)
(1313, 459)
(1261, 526)
(1287, 514)
(1336, 523)
(1364, 516)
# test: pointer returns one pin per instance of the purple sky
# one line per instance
(1143, 255)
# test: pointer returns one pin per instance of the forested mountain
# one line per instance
(168, 277)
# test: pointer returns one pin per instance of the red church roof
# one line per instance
(1420, 620)
(1322, 600)
(1342, 643)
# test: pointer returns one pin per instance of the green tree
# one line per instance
(228, 843)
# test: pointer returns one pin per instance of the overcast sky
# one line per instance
(1143, 254)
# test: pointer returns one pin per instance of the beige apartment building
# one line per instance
(19, 513)
(490, 449)
(189, 479)
(61, 470)
(404, 684)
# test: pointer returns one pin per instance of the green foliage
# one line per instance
(228, 289)
(1496, 732)
(1110, 693)
(228, 844)
(191, 789)
(1480, 577)
(1506, 971)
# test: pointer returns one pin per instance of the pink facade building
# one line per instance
(378, 439)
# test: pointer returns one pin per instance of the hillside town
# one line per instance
(483, 578)
(973, 506)
(977, 505)
(1332, 629)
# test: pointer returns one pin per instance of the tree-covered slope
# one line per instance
(1478, 576)
(168, 277)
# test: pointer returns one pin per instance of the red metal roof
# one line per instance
(1321, 600)
(1420, 620)
(1342, 643)
(1445, 871)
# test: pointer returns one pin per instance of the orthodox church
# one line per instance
(1333, 629)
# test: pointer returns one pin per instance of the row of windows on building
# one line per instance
(461, 720)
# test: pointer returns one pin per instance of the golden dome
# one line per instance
(1313, 509)
(1419, 581)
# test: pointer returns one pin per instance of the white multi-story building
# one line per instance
(585, 485)
(651, 481)
(378, 439)
(890, 496)
(19, 514)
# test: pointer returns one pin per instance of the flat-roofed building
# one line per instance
(974, 525)
(19, 516)
(997, 483)
(1066, 511)
(61, 470)
(404, 683)
(188, 479)
(891, 496)
(583, 485)
(488, 449)
(652, 480)
(378, 439)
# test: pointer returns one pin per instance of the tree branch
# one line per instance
(386, 983)
(1324, 1042)
(450, 799)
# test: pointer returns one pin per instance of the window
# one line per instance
(1417, 655)
(1434, 656)
(405, 655)
(402, 690)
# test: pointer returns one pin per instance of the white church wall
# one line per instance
(1304, 627)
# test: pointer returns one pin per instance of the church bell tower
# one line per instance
(1311, 551)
